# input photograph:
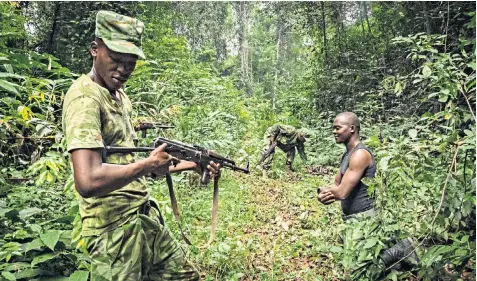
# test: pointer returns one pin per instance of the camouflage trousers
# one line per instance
(142, 249)
(290, 151)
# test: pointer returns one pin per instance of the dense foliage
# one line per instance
(221, 73)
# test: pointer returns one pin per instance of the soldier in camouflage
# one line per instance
(120, 226)
(287, 138)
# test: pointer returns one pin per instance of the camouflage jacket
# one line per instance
(93, 119)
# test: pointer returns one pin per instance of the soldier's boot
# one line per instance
(404, 250)
(264, 174)
(289, 168)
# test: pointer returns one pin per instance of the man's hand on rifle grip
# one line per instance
(159, 161)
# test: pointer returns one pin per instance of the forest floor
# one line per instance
(270, 228)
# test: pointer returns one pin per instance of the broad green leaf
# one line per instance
(9, 276)
(426, 71)
(11, 75)
(393, 276)
(79, 275)
(471, 65)
(35, 228)
(443, 98)
(8, 68)
(412, 133)
(64, 219)
(29, 273)
(69, 184)
(7, 86)
(33, 245)
(373, 141)
(28, 212)
(336, 249)
(370, 243)
(15, 266)
(445, 92)
(50, 238)
(383, 163)
(43, 258)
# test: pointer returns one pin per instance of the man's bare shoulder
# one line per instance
(361, 158)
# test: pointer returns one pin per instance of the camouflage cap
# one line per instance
(120, 33)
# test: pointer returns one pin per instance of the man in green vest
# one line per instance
(121, 227)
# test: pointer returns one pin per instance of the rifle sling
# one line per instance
(215, 207)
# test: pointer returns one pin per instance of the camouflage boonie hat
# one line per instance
(120, 33)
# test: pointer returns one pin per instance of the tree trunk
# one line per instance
(361, 19)
(242, 19)
(323, 26)
(277, 62)
(427, 22)
(219, 41)
(49, 47)
(365, 6)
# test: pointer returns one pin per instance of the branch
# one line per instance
(468, 103)
(447, 27)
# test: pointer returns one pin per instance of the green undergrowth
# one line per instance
(269, 229)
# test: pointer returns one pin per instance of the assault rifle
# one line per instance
(181, 151)
(271, 148)
(192, 153)
(144, 126)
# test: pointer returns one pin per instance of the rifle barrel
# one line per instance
(235, 168)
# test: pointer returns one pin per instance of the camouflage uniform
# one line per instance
(287, 141)
(125, 240)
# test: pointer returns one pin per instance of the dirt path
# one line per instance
(286, 212)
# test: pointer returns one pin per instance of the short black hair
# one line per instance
(351, 118)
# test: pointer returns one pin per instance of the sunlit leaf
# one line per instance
(426, 71)
(25, 213)
(79, 275)
(8, 87)
(50, 238)
(9, 276)
(42, 258)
